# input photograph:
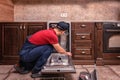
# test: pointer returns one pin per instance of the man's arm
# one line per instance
(60, 49)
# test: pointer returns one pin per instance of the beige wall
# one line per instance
(6, 11)
(77, 10)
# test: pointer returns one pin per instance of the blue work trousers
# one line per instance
(33, 57)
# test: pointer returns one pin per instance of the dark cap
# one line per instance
(63, 25)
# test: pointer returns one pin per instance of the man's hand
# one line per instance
(61, 50)
(69, 53)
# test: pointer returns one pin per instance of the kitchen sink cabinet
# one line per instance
(82, 42)
(13, 37)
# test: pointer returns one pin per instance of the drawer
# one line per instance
(83, 43)
(82, 51)
(82, 57)
(82, 36)
(87, 27)
(113, 56)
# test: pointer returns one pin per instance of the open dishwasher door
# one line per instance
(58, 63)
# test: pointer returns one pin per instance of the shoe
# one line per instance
(36, 75)
(20, 70)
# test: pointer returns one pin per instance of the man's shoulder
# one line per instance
(48, 30)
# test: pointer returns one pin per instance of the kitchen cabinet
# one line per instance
(86, 42)
(33, 27)
(13, 37)
(110, 57)
(0, 40)
(82, 42)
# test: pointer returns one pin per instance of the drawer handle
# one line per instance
(83, 52)
(83, 37)
(118, 57)
(83, 26)
(21, 27)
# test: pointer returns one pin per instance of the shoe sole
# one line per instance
(36, 75)
(18, 70)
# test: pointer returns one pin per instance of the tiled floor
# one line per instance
(107, 72)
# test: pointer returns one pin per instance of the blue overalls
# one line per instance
(33, 57)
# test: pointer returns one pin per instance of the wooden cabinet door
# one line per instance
(0, 41)
(11, 41)
(13, 36)
(34, 27)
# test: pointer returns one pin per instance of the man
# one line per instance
(38, 47)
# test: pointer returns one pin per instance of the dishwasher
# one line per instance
(59, 64)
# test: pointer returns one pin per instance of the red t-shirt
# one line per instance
(44, 37)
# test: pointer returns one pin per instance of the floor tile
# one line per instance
(107, 72)
(5, 69)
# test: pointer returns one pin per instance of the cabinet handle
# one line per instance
(21, 27)
(118, 57)
(83, 26)
(83, 52)
(83, 37)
